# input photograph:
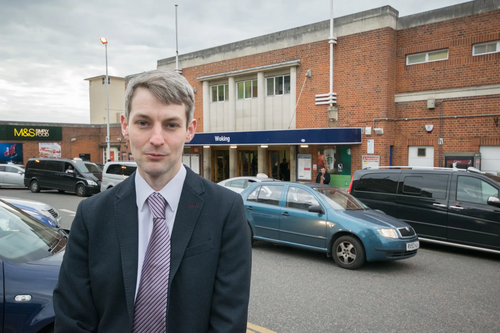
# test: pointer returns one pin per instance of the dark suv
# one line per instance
(60, 174)
(444, 205)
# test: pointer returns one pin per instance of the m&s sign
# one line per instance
(32, 133)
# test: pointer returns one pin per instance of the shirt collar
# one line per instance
(171, 192)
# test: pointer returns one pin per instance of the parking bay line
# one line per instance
(72, 213)
(251, 328)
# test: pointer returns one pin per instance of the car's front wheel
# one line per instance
(80, 190)
(34, 186)
(348, 252)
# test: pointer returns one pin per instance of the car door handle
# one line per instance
(456, 207)
(439, 205)
(285, 214)
(250, 208)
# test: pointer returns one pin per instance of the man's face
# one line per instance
(323, 170)
(157, 133)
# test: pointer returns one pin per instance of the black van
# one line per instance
(60, 174)
(444, 205)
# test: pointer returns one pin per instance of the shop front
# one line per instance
(289, 155)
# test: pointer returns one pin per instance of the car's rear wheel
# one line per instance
(80, 190)
(34, 186)
(348, 252)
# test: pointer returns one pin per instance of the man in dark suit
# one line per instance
(323, 177)
(108, 260)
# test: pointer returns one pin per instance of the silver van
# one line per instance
(114, 173)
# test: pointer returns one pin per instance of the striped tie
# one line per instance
(151, 302)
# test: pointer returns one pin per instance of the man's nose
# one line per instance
(156, 138)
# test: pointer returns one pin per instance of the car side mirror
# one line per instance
(494, 201)
(316, 209)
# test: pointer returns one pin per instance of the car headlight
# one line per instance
(388, 233)
(91, 183)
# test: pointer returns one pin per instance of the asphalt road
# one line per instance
(442, 289)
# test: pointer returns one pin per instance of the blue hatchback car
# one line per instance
(324, 218)
(30, 257)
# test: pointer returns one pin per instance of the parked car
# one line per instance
(30, 258)
(238, 184)
(444, 205)
(116, 172)
(11, 175)
(39, 210)
(324, 218)
(60, 174)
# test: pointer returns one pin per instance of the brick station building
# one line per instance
(419, 90)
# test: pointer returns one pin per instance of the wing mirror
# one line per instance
(494, 201)
(316, 209)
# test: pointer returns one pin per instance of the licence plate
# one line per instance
(412, 246)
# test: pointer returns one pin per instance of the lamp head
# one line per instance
(104, 40)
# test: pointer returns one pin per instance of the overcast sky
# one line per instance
(48, 47)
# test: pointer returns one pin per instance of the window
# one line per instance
(429, 186)
(278, 85)
(300, 199)
(247, 89)
(379, 182)
(253, 196)
(118, 169)
(104, 80)
(238, 183)
(270, 195)
(54, 166)
(474, 190)
(220, 93)
(421, 152)
(485, 48)
(419, 58)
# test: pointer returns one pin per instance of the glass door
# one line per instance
(220, 165)
(247, 163)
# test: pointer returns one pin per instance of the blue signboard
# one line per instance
(11, 152)
(280, 137)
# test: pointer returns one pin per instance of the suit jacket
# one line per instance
(210, 262)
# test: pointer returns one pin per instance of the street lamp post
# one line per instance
(105, 42)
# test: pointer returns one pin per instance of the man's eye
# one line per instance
(173, 125)
(142, 123)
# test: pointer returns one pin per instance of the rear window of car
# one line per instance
(238, 183)
(266, 194)
(378, 182)
(120, 169)
(428, 185)
(36, 164)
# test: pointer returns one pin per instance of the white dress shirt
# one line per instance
(172, 194)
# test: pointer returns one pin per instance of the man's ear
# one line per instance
(191, 130)
(124, 126)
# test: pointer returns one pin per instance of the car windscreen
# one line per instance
(92, 167)
(338, 199)
(81, 166)
(24, 239)
(493, 177)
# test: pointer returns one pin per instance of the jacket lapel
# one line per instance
(188, 212)
(128, 231)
